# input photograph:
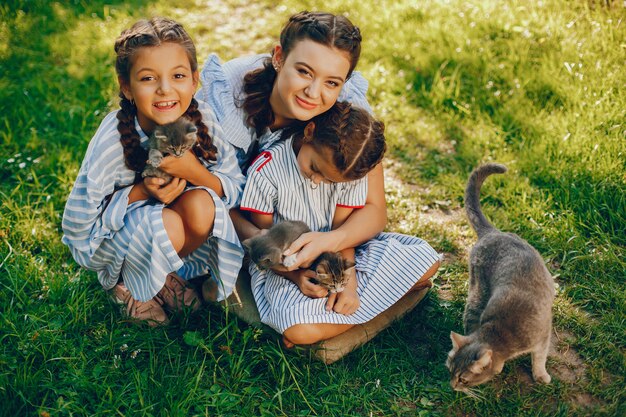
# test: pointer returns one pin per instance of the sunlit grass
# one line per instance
(536, 85)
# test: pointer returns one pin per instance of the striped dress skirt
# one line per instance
(386, 268)
(142, 255)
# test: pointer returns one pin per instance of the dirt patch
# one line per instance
(567, 366)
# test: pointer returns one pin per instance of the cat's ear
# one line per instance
(246, 245)
(320, 270)
(483, 362)
(309, 130)
(458, 341)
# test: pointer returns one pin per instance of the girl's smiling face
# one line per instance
(308, 82)
(162, 84)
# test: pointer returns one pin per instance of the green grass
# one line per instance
(538, 86)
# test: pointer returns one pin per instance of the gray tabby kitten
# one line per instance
(174, 138)
(333, 271)
(266, 250)
(509, 306)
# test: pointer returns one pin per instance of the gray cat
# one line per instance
(509, 306)
(175, 139)
(266, 250)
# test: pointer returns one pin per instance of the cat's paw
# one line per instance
(543, 378)
(290, 260)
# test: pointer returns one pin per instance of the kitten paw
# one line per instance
(543, 378)
(290, 260)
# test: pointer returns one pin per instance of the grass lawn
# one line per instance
(537, 85)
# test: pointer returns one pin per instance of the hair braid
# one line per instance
(134, 155)
(354, 137)
(204, 148)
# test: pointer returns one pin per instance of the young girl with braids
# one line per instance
(319, 176)
(256, 98)
(145, 238)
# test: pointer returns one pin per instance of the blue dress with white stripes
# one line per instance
(387, 266)
(128, 241)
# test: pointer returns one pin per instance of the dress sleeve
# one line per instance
(260, 194)
(95, 209)
(355, 91)
(353, 194)
(226, 168)
(222, 90)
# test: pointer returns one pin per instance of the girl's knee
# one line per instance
(174, 227)
(198, 212)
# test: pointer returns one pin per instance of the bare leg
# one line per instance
(197, 211)
(174, 227)
(539, 358)
(306, 334)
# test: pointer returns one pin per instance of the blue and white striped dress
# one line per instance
(222, 89)
(387, 266)
(117, 239)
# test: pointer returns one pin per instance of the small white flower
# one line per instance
(11, 160)
(22, 165)
(124, 347)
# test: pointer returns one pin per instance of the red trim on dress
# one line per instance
(254, 210)
(265, 154)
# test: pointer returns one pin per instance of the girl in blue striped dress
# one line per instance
(145, 238)
(320, 177)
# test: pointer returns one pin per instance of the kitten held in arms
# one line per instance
(175, 139)
(509, 306)
(266, 250)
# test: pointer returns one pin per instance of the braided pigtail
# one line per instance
(204, 147)
(257, 86)
(354, 137)
(134, 155)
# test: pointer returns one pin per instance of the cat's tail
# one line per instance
(472, 197)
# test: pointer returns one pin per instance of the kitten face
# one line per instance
(469, 362)
(266, 249)
(333, 271)
(176, 138)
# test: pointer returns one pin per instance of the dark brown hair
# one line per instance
(327, 29)
(355, 138)
(150, 33)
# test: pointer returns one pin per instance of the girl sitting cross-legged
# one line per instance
(319, 176)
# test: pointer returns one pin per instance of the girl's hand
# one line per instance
(183, 167)
(164, 193)
(311, 245)
(302, 279)
(345, 302)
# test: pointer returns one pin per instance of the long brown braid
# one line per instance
(150, 33)
(327, 29)
(355, 138)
